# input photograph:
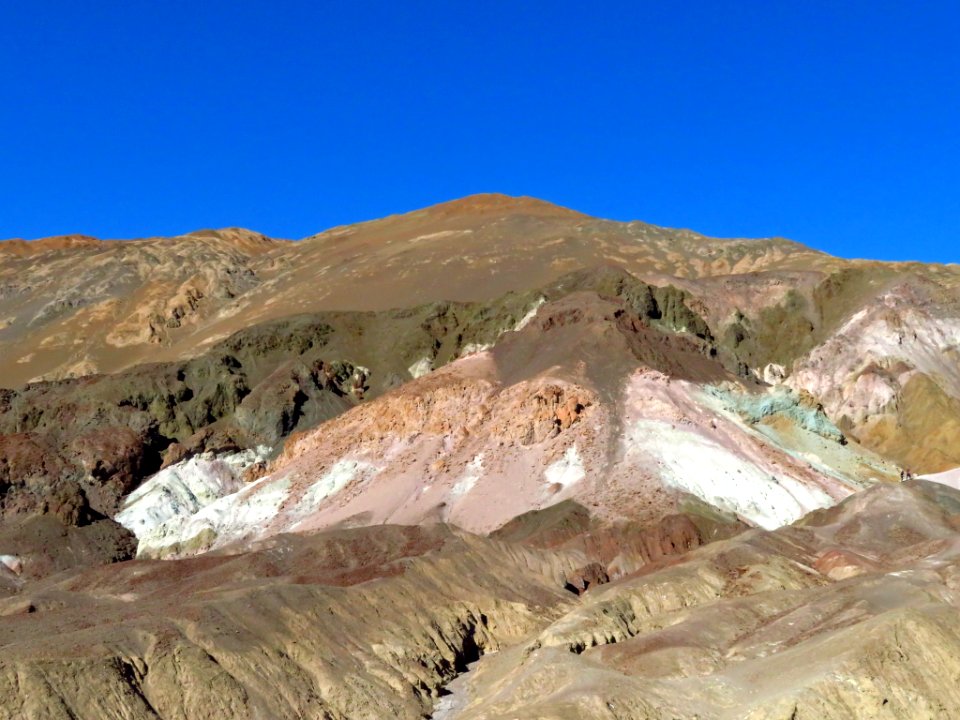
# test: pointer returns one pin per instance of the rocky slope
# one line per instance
(73, 306)
(345, 624)
(587, 401)
(847, 614)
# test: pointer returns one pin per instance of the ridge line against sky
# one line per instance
(830, 124)
(197, 231)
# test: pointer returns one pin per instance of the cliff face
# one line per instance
(545, 402)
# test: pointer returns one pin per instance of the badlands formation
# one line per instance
(490, 459)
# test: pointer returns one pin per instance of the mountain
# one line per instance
(490, 425)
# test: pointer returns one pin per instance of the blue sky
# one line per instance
(836, 124)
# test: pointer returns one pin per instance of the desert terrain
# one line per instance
(493, 458)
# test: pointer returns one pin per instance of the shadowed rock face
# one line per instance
(610, 452)
(99, 436)
(43, 545)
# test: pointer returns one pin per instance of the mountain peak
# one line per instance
(499, 202)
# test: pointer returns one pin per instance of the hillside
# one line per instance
(656, 472)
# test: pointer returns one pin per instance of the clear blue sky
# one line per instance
(834, 123)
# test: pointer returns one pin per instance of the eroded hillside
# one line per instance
(634, 472)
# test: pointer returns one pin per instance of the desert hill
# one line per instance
(662, 460)
(848, 614)
(73, 306)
